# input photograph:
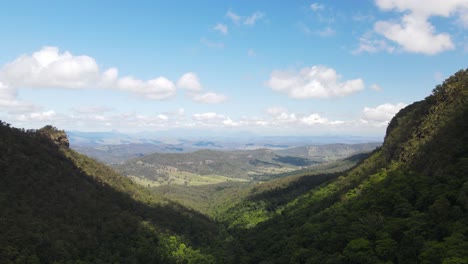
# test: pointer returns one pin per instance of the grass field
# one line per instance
(184, 178)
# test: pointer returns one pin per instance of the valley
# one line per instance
(403, 201)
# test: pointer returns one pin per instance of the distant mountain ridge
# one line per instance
(115, 147)
(243, 164)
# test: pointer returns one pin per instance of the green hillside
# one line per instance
(406, 203)
(58, 206)
(211, 167)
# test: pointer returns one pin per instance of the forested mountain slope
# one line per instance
(406, 203)
(57, 206)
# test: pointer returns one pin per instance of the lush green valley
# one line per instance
(406, 202)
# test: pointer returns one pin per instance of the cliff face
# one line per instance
(58, 137)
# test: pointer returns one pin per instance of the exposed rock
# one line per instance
(58, 137)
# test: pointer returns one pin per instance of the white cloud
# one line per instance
(376, 87)
(48, 68)
(38, 116)
(109, 77)
(313, 119)
(252, 19)
(9, 102)
(233, 16)
(6, 92)
(316, 7)
(314, 82)
(382, 114)
(190, 82)
(209, 98)
(429, 8)
(157, 89)
(371, 44)
(246, 20)
(162, 117)
(280, 116)
(221, 28)
(208, 116)
(414, 33)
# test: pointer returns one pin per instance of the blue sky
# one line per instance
(267, 67)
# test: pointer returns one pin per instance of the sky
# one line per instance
(328, 67)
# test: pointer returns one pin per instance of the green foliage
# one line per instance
(406, 203)
(58, 206)
(260, 164)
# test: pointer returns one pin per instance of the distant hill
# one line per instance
(58, 206)
(329, 152)
(115, 147)
(184, 168)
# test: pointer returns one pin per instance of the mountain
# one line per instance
(329, 152)
(115, 148)
(220, 166)
(58, 206)
(406, 203)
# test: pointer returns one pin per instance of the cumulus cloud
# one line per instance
(413, 32)
(157, 89)
(208, 116)
(190, 82)
(313, 82)
(429, 8)
(221, 28)
(381, 114)
(48, 68)
(280, 115)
